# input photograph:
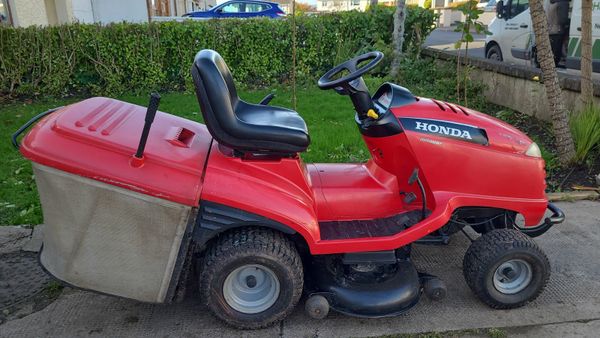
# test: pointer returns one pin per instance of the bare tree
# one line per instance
(587, 87)
(399, 17)
(560, 118)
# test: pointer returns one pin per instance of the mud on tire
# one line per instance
(484, 262)
(251, 247)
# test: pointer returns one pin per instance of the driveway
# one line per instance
(570, 304)
(445, 39)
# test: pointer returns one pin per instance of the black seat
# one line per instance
(240, 125)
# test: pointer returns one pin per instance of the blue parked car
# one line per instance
(240, 9)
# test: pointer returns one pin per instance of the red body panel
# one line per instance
(97, 138)
(276, 189)
(354, 191)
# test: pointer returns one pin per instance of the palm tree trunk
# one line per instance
(587, 87)
(399, 17)
(560, 118)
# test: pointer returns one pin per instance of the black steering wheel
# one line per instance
(327, 82)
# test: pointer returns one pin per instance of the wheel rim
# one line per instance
(494, 56)
(512, 276)
(251, 288)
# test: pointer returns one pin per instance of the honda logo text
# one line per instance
(437, 129)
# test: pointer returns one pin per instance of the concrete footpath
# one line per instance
(570, 305)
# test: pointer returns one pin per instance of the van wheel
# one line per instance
(251, 277)
(494, 53)
(506, 269)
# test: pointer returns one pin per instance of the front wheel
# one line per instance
(494, 53)
(251, 277)
(506, 269)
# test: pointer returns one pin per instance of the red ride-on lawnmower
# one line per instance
(233, 201)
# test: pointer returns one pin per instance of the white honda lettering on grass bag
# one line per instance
(437, 129)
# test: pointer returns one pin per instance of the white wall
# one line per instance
(341, 5)
(82, 11)
(29, 12)
(106, 11)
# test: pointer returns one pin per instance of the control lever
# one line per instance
(414, 177)
(150, 114)
(265, 101)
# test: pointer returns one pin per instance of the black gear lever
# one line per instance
(150, 114)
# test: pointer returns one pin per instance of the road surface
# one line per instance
(445, 39)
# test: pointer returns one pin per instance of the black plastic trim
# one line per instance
(380, 227)
(558, 216)
(400, 95)
(370, 257)
(177, 282)
(386, 126)
(575, 63)
(520, 53)
(214, 218)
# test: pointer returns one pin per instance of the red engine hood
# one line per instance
(501, 136)
(97, 138)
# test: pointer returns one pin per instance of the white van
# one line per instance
(512, 39)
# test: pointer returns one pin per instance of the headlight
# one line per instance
(534, 150)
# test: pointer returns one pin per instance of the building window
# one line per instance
(5, 15)
(355, 2)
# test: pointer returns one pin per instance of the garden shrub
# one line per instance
(585, 127)
(127, 57)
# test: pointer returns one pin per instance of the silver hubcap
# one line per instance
(251, 288)
(512, 276)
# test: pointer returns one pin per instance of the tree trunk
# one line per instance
(399, 17)
(560, 118)
(587, 87)
(294, 105)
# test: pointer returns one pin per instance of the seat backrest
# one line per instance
(216, 93)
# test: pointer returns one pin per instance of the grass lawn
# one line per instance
(329, 116)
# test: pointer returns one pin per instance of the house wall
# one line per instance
(29, 12)
(51, 12)
(341, 5)
(107, 11)
(54, 12)
(83, 11)
(64, 11)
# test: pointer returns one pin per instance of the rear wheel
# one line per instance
(251, 277)
(506, 269)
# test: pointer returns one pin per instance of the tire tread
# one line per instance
(486, 249)
(250, 241)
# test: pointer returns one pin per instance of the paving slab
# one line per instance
(586, 329)
(572, 295)
(12, 238)
(34, 244)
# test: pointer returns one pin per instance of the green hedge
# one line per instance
(124, 57)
